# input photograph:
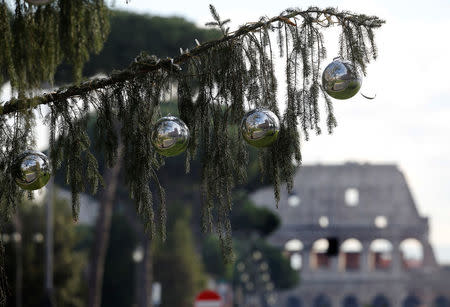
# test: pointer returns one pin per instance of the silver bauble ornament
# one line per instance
(341, 79)
(39, 2)
(260, 127)
(170, 136)
(32, 170)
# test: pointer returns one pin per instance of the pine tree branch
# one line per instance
(313, 14)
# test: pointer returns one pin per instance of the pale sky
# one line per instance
(406, 124)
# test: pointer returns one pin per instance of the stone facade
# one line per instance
(359, 206)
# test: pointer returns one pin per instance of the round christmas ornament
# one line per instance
(39, 2)
(32, 170)
(341, 79)
(260, 127)
(170, 136)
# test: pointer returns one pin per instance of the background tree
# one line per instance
(153, 34)
(69, 261)
(247, 219)
(251, 226)
(35, 40)
(177, 265)
(119, 278)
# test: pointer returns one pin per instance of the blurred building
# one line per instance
(354, 233)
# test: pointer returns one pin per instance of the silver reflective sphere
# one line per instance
(39, 2)
(170, 136)
(32, 170)
(341, 79)
(260, 127)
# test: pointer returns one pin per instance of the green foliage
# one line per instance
(68, 261)
(119, 280)
(213, 259)
(177, 265)
(283, 276)
(6, 60)
(36, 39)
(247, 219)
(250, 222)
(281, 273)
(218, 22)
(217, 81)
(81, 165)
(16, 138)
(84, 26)
(156, 35)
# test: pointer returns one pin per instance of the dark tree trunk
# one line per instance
(19, 259)
(145, 299)
(3, 284)
(102, 233)
(144, 273)
(49, 299)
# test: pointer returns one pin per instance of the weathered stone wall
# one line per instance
(364, 202)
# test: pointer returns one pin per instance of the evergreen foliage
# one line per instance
(160, 36)
(68, 264)
(247, 219)
(177, 265)
(218, 81)
(281, 273)
(251, 225)
(35, 39)
(119, 281)
(156, 35)
(213, 260)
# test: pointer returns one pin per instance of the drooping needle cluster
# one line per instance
(218, 82)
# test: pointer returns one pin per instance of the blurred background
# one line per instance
(366, 225)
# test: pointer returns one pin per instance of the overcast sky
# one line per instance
(409, 121)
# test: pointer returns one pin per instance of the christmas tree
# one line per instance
(217, 83)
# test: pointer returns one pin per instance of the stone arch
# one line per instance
(350, 301)
(293, 301)
(319, 257)
(293, 249)
(411, 301)
(293, 245)
(441, 301)
(352, 197)
(381, 301)
(322, 301)
(411, 251)
(350, 255)
(296, 261)
(380, 254)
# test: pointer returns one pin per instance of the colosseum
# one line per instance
(355, 235)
